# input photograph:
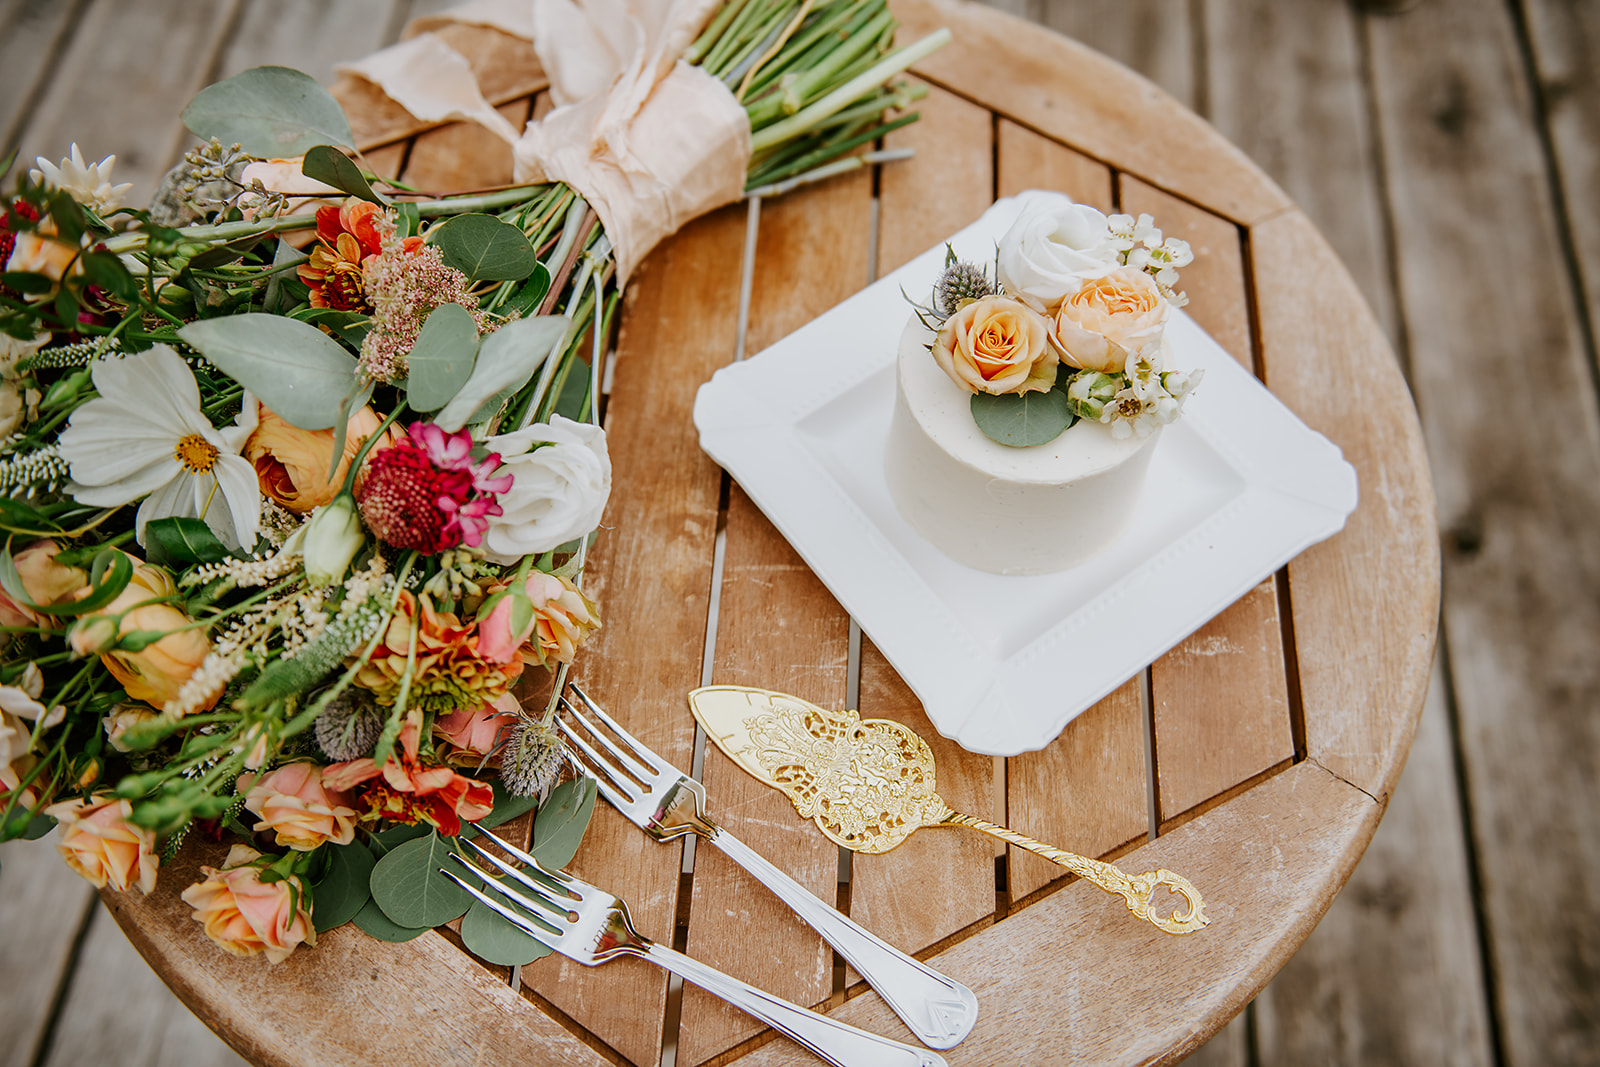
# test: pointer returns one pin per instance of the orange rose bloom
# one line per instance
(247, 917)
(292, 464)
(99, 842)
(1111, 318)
(155, 673)
(996, 345)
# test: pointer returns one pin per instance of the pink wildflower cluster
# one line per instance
(427, 493)
(404, 286)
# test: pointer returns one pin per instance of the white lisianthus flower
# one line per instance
(145, 438)
(88, 185)
(1050, 251)
(563, 477)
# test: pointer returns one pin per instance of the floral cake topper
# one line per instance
(1069, 328)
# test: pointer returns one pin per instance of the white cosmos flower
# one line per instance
(88, 185)
(144, 438)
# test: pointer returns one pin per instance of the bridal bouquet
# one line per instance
(301, 465)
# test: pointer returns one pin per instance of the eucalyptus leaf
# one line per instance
(441, 361)
(496, 939)
(484, 248)
(179, 541)
(344, 889)
(559, 827)
(387, 841)
(507, 358)
(525, 301)
(374, 923)
(1025, 419)
(407, 884)
(274, 112)
(285, 254)
(294, 368)
(330, 166)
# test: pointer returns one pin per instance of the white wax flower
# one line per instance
(88, 184)
(562, 479)
(1050, 251)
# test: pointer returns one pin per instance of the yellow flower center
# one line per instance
(196, 454)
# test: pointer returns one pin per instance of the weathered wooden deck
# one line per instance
(1450, 151)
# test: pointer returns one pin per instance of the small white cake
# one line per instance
(995, 508)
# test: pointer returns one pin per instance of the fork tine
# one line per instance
(609, 778)
(639, 769)
(644, 752)
(533, 927)
(525, 858)
(541, 891)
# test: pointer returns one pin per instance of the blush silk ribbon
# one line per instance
(648, 140)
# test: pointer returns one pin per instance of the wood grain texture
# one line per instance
(43, 904)
(1312, 130)
(1031, 161)
(778, 628)
(1074, 979)
(650, 574)
(1392, 974)
(449, 1009)
(463, 155)
(1153, 37)
(30, 33)
(109, 58)
(1085, 793)
(1363, 646)
(945, 186)
(1519, 507)
(308, 35)
(1221, 704)
(1089, 102)
(115, 993)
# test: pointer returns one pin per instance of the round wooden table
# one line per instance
(1256, 757)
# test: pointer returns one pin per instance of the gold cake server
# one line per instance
(869, 783)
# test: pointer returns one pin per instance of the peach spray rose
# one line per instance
(246, 916)
(155, 673)
(293, 802)
(99, 842)
(996, 345)
(1117, 315)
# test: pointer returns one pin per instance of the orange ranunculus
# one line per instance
(99, 842)
(403, 790)
(292, 464)
(450, 671)
(1117, 315)
(246, 916)
(155, 673)
(996, 345)
(294, 803)
(45, 582)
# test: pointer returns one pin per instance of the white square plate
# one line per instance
(1237, 487)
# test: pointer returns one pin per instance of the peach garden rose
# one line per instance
(996, 345)
(246, 916)
(560, 618)
(294, 804)
(99, 842)
(155, 673)
(292, 464)
(1117, 315)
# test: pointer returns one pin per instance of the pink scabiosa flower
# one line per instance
(427, 493)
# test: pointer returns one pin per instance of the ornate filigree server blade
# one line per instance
(869, 783)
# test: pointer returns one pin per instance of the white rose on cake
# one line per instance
(562, 479)
(1051, 250)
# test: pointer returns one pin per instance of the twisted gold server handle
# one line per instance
(1135, 889)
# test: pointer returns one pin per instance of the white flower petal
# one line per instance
(127, 489)
(238, 502)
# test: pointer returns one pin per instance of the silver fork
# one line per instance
(938, 1009)
(591, 926)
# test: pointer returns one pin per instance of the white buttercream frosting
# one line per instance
(992, 507)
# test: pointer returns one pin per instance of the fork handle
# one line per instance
(838, 1043)
(937, 1008)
